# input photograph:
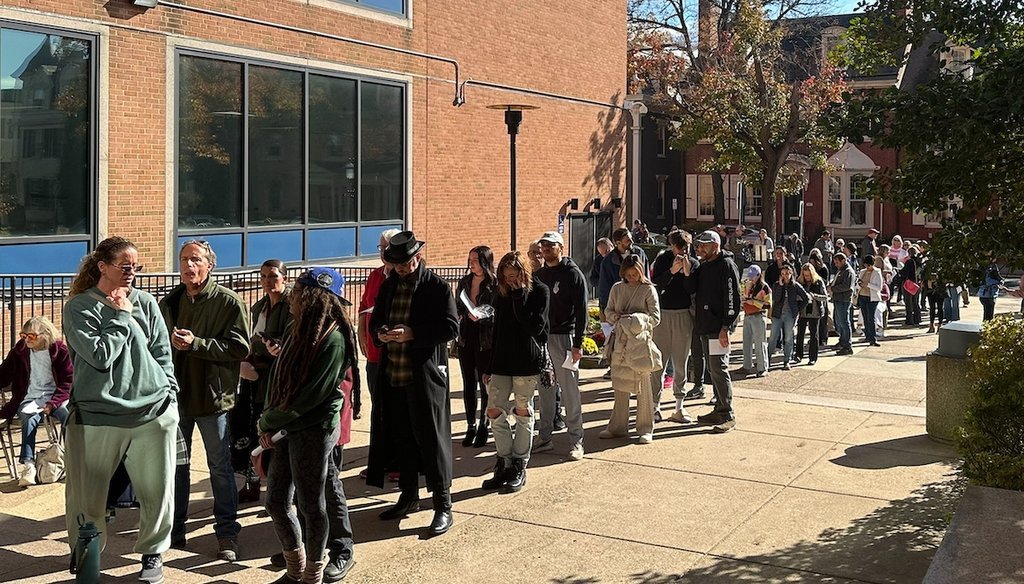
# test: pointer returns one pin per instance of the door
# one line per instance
(584, 231)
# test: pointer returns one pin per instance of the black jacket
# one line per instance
(567, 301)
(477, 335)
(716, 288)
(792, 295)
(672, 294)
(520, 329)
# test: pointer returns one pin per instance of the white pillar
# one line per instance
(636, 110)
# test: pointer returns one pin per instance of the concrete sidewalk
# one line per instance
(827, 478)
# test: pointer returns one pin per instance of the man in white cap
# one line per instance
(716, 288)
(567, 317)
(867, 245)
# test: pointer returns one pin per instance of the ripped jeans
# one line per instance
(500, 391)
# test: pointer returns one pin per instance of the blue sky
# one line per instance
(844, 6)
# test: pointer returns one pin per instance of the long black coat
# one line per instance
(434, 322)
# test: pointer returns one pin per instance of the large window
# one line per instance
(291, 163)
(396, 6)
(846, 203)
(46, 149)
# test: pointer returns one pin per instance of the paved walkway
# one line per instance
(829, 477)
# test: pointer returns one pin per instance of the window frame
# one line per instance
(305, 226)
(845, 200)
(92, 188)
(405, 12)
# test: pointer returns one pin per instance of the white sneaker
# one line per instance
(681, 417)
(28, 474)
(646, 438)
(576, 452)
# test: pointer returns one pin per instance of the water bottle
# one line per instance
(87, 552)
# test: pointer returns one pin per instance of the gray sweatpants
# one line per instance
(569, 383)
(673, 336)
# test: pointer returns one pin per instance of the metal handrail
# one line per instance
(26, 295)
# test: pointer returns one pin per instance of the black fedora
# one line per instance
(402, 247)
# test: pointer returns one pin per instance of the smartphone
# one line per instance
(270, 340)
(383, 329)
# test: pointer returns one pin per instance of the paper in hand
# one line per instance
(480, 312)
(569, 363)
(716, 348)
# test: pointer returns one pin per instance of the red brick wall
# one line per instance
(459, 155)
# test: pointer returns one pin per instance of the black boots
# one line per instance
(442, 513)
(470, 436)
(406, 504)
(516, 476)
(501, 475)
(481, 433)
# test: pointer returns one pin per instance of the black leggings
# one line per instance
(807, 324)
(298, 470)
(470, 360)
(935, 310)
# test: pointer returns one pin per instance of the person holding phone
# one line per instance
(270, 319)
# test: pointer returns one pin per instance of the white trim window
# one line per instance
(705, 198)
(662, 139)
(934, 220)
(845, 204)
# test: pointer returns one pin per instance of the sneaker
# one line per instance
(337, 568)
(607, 374)
(607, 434)
(228, 549)
(695, 393)
(875, 344)
(559, 424)
(576, 452)
(277, 560)
(646, 438)
(28, 473)
(711, 419)
(761, 373)
(786, 366)
(657, 416)
(667, 384)
(394, 476)
(152, 569)
(681, 417)
(812, 361)
(542, 446)
(724, 426)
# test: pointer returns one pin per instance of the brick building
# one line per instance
(675, 190)
(262, 128)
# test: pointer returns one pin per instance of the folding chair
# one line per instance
(7, 449)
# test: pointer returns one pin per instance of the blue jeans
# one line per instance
(782, 327)
(29, 425)
(515, 391)
(841, 318)
(217, 440)
(867, 311)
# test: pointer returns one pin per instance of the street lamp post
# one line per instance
(513, 117)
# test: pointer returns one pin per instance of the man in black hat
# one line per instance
(413, 320)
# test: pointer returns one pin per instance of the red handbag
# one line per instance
(911, 287)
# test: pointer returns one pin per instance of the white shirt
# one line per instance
(41, 385)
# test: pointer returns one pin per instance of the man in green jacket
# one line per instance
(209, 329)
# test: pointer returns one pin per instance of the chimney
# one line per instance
(707, 25)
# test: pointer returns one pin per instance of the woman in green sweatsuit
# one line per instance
(123, 401)
(305, 399)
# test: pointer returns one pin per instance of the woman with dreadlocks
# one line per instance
(304, 400)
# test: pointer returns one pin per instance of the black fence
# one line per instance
(25, 296)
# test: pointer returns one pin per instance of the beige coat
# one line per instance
(633, 311)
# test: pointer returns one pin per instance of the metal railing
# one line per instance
(25, 296)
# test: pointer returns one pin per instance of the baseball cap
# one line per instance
(552, 237)
(708, 237)
(753, 271)
(873, 230)
(327, 278)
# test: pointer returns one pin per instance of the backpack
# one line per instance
(50, 463)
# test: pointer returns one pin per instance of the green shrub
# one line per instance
(991, 440)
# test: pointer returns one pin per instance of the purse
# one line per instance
(911, 287)
(815, 308)
(50, 463)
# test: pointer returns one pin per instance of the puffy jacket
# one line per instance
(634, 311)
(208, 373)
(792, 295)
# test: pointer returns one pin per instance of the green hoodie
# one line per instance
(319, 399)
(123, 371)
(208, 373)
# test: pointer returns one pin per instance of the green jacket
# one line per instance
(319, 400)
(123, 373)
(208, 373)
(279, 318)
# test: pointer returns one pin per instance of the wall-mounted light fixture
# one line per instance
(573, 204)
(617, 202)
(146, 3)
(594, 204)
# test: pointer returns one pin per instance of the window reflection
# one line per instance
(275, 146)
(209, 143)
(382, 159)
(45, 141)
(332, 150)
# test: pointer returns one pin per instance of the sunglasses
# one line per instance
(130, 268)
(29, 336)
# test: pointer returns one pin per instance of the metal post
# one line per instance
(512, 119)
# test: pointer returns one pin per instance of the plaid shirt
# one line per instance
(400, 366)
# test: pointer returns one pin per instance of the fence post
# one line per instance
(10, 320)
